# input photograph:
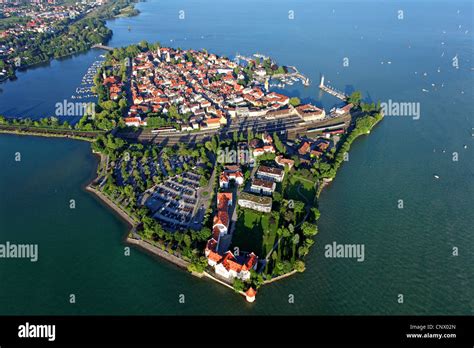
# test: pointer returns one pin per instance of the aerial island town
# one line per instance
(168, 160)
(213, 170)
(219, 170)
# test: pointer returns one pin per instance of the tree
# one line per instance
(316, 213)
(355, 98)
(256, 279)
(291, 228)
(187, 240)
(238, 285)
(109, 105)
(303, 251)
(203, 181)
(295, 101)
(298, 207)
(250, 135)
(173, 112)
(299, 266)
(294, 241)
(278, 144)
(235, 137)
(205, 234)
(128, 190)
(277, 197)
(159, 231)
(309, 229)
(198, 264)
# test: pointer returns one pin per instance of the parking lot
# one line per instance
(175, 202)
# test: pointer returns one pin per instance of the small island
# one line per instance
(213, 171)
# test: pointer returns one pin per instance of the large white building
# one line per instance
(262, 186)
(227, 265)
(229, 268)
(259, 203)
(270, 173)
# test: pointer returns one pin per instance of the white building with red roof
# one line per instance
(221, 220)
(134, 122)
(231, 173)
(230, 268)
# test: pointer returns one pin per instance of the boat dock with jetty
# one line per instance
(332, 91)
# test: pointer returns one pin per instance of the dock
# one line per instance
(332, 91)
(304, 80)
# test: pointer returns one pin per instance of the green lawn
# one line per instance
(307, 189)
(255, 232)
(269, 235)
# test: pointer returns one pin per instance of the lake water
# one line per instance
(408, 251)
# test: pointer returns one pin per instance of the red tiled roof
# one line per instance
(304, 148)
(211, 244)
(213, 120)
(215, 233)
(251, 292)
(251, 261)
(214, 256)
(222, 217)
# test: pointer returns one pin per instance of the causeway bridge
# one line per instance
(103, 47)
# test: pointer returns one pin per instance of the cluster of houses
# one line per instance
(260, 147)
(114, 85)
(266, 177)
(41, 17)
(227, 265)
(313, 149)
(257, 196)
(261, 189)
(205, 90)
(116, 89)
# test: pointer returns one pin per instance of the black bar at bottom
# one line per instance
(141, 330)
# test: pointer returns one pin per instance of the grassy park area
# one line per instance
(255, 232)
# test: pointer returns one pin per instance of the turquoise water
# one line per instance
(407, 251)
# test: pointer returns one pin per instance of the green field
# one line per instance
(306, 189)
(254, 232)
